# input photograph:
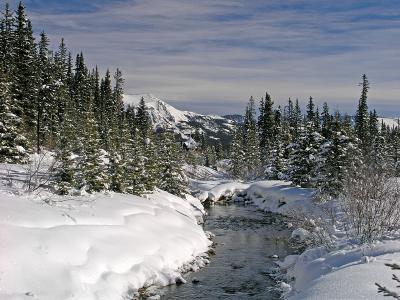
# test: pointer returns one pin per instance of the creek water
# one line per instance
(246, 239)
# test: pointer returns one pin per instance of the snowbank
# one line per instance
(223, 190)
(346, 273)
(280, 196)
(97, 246)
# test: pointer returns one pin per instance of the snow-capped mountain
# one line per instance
(184, 122)
(391, 122)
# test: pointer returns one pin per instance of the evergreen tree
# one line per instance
(326, 121)
(151, 162)
(237, 153)
(7, 37)
(24, 81)
(172, 178)
(47, 108)
(362, 117)
(338, 158)
(304, 157)
(251, 143)
(65, 176)
(135, 166)
(95, 177)
(13, 144)
(143, 122)
(278, 161)
(266, 128)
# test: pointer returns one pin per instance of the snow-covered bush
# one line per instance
(311, 230)
(371, 204)
(387, 292)
(38, 171)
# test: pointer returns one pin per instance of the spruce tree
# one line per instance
(304, 156)
(95, 177)
(65, 176)
(251, 143)
(266, 129)
(172, 178)
(362, 116)
(326, 121)
(7, 37)
(24, 81)
(237, 153)
(135, 165)
(143, 122)
(13, 144)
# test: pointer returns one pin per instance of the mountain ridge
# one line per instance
(162, 114)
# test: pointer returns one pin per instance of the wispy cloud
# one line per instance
(213, 54)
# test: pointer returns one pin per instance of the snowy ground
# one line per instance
(348, 271)
(100, 246)
(107, 246)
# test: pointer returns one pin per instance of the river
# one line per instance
(246, 239)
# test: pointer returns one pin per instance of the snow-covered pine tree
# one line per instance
(81, 94)
(94, 174)
(47, 118)
(119, 109)
(107, 111)
(278, 161)
(304, 156)
(252, 164)
(13, 144)
(24, 75)
(266, 129)
(119, 133)
(134, 165)
(237, 153)
(143, 122)
(65, 173)
(362, 117)
(338, 158)
(172, 178)
(151, 161)
(61, 81)
(7, 37)
(326, 121)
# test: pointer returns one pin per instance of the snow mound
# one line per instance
(344, 273)
(101, 246)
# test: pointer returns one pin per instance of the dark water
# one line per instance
(245, 240)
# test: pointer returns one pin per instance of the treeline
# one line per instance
(314, 149)
(48, 101)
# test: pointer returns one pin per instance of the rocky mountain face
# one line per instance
(185, 123)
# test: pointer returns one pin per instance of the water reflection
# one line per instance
(245, 241)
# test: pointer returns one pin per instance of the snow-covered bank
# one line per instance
(349, 272)
(346, 271)
(96, 246)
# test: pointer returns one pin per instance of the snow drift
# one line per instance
(97, 246)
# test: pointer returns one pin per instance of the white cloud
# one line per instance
(224, 51)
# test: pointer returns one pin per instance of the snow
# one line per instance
(156, 104)
(184, 123)
(347, 271)
(100, 246)
(391, 122)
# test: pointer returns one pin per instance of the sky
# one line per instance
(210, 56)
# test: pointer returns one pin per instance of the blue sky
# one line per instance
(210, 56)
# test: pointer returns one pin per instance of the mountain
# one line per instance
(238, 119)
(391, 122)
(163, 115)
